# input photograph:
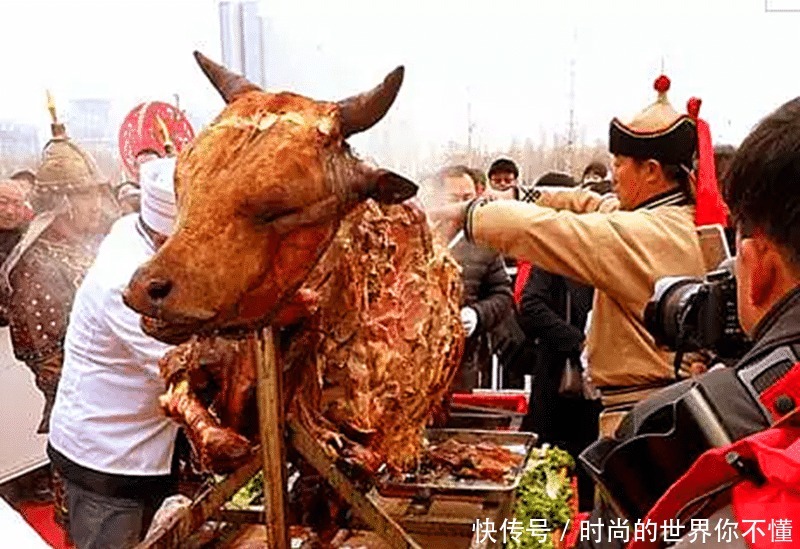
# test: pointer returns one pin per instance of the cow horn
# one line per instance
(361, 112)
(229, 84)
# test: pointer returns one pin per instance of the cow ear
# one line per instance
(391, 188)
(355, 180)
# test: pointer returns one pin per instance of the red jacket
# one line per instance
(768, 515)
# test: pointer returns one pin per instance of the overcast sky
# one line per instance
(509, 58)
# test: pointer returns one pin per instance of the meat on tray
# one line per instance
(484, 460)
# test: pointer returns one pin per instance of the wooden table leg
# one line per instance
(271, 428)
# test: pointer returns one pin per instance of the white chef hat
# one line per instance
(158, 205)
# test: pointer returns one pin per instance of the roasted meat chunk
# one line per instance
(364, 370)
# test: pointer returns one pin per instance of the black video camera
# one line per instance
(665, 434)
(691, 314)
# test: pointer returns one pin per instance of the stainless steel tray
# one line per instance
(464, 416)
(517, 442)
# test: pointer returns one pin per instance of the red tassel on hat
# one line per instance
(711, 209)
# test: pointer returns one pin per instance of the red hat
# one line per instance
(153, 126)
(711, 209)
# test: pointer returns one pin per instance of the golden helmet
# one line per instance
(65, 167)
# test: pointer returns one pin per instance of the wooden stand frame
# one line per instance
(364, 506)
(272, 458)
(186, 521)
(272, 428)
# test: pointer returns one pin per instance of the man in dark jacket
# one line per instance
(504, 179)
(487, 297)
(595, 178)
(553, 312)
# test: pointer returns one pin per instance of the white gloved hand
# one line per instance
(469, 319)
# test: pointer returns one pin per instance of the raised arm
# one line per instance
(619, 253)
(575, 200)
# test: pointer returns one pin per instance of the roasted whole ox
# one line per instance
(279, 223)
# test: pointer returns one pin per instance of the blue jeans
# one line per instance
(97, 521)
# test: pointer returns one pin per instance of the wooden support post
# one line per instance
(206, 506)
(364, 505)
(271, 429)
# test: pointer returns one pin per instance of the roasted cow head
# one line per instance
(260, 192)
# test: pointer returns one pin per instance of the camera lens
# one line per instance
(666, 310)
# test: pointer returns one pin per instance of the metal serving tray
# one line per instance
(477, 417)
(516, 442)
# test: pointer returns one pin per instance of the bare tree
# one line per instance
(533, 158)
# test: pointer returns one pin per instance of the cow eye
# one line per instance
(275, 214)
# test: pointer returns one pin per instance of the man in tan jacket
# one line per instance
(621, 248)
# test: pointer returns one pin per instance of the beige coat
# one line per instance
(621, 254)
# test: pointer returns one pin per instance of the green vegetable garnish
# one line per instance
(544, 494)
(247, 493)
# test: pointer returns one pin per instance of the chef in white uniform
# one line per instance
(108, 435)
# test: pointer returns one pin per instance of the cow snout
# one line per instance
(146, 293)
(158, 289)
(155, 294)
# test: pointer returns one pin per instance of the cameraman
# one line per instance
(761, 190)
(762, 193)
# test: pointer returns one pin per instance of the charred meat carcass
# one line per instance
(386, 341)
(364, 369)
(279, 220)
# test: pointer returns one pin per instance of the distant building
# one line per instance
(18, 139)
(19, 146)
(242, 35)
(89, 122)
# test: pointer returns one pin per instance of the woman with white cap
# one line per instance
(108, 435)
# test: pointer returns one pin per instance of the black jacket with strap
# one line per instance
(487, 286)
(487, 289)
(543, 311)
(663, 435)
